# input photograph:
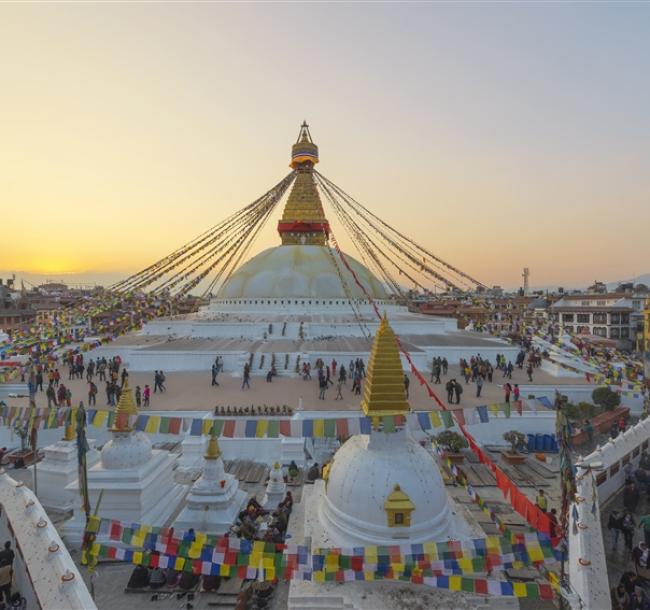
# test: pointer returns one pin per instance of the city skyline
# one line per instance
(127, 131)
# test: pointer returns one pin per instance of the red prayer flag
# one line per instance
(229, 428)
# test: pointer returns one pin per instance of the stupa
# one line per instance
(383, 488)
(60, 468)
(285, 300)
(275, 489)
(136, 482)
(215, 499)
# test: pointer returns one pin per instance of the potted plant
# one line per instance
(452, 443)
(517, 442)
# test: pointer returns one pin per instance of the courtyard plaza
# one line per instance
(192, 391)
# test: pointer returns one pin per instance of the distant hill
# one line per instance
(641, 279)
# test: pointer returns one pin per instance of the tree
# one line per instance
(583, 410)
(451, 441)
(516, 439)
(606, 398)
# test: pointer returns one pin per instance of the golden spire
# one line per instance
(213, 451)
(69, 434)
(303, 220)
(125, 408)
(384, 393)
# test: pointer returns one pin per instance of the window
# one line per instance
(399, 518)
(601, 303)
(635, 452)
(600, 331)
(614, 333)
(600, 318)
(625, 318)
(614, 469)
(601, 478)
(584, 318)
(615, 318)
(585, 303)
(568, 329)
(567, 317)
(626, 459)
(582, 329)
(625, 333)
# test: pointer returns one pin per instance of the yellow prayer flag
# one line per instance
(368, 576)
(206, 428)
(455, 583)
(262, 427)
(194, 551)
(153, 425)
(319, 576)
(435, 419)
(319, 428)
(179, 563)
(100, 419)
(137, 558)
(519, 589)
(224, 570)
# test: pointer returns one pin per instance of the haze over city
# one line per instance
(497, 136)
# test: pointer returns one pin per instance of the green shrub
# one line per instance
(606, 398)
(451, 441)
(516, 439)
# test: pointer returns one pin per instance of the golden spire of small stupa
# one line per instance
(384, 392)
(213, 451)
(69, 434)
(125, 408)
(303, 220)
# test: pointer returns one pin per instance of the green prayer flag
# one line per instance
(447, 419)
(330, 428)
(467, 584)
(164, 425)
(532, 590)
(273, 429)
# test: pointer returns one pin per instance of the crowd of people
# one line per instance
(629, 594)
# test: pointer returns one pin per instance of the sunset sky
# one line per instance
(498, 136)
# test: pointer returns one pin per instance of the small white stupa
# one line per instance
(59, 469)
(275, 488)
(136, 482)
(215, 499)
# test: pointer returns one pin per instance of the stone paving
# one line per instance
(189, 391)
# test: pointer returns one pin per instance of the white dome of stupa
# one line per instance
(126, 450)
(362, 477)
(300, 271)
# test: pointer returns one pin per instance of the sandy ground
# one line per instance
(191, 391)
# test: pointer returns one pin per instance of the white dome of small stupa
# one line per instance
(363, 478)
(127, 448)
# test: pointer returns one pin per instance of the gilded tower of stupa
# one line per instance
(384, 392)
(303, 220)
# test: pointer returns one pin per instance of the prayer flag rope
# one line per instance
(264, 427)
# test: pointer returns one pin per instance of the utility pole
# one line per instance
(526, 275)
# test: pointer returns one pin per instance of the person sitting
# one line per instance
(157, 579)
(211, 582)
(293, 470)
(313, 473)
(139, 578)
(171, 578)
(639, 600)
(188, 581)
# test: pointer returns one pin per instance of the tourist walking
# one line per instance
(631, 496)
(449, 386)
(138, 396)
(458, 390)
(529, 372)
(644, 522)
(92, 394)
(246, 382)
(146, 395)
(407, 383)
(479, 386)
(507, 389)
(541, 501)
(215, 372)
(6, 573)
(339, 387)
